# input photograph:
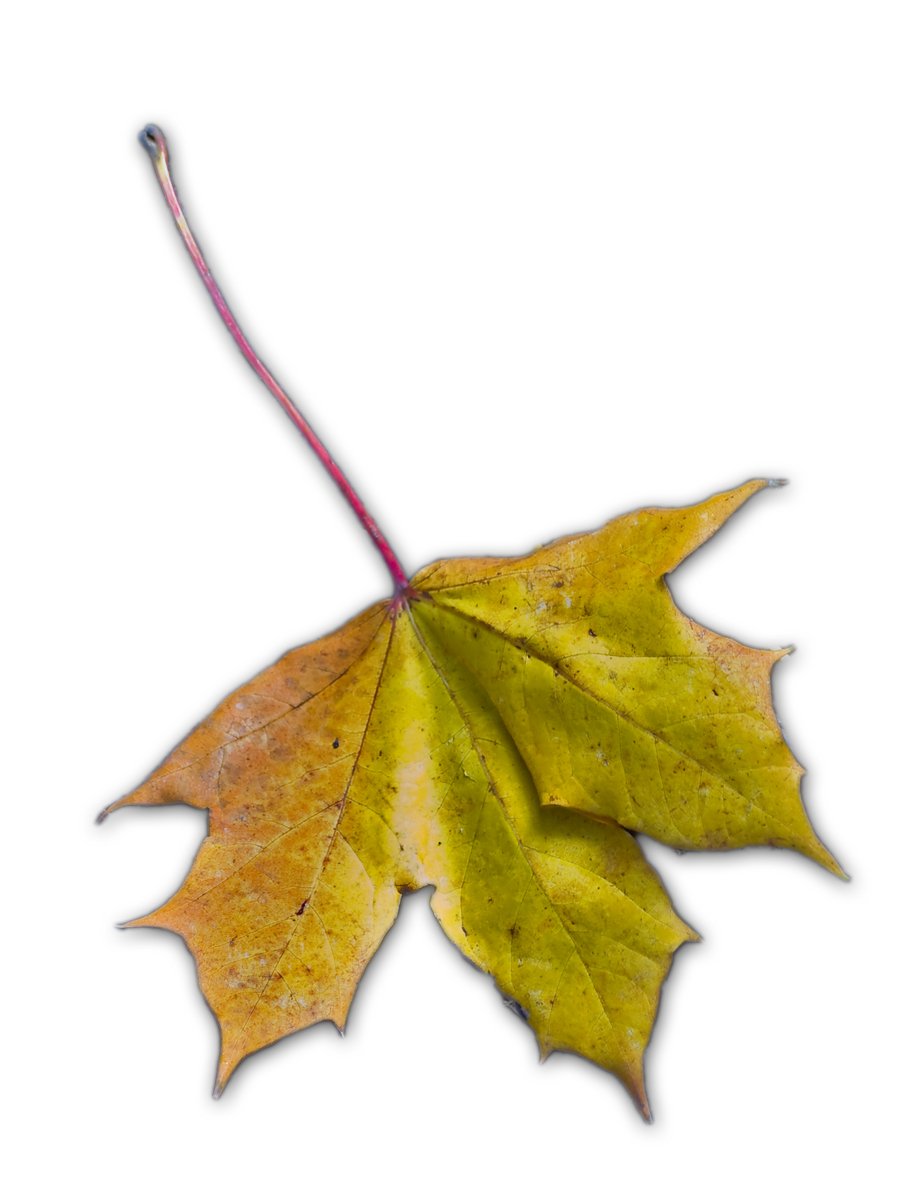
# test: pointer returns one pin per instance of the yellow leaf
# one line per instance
(494, 732)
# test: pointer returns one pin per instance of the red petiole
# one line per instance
(154, 142)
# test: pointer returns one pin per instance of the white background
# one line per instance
(526, 266)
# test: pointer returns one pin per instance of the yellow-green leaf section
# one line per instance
(616, 701)
(414, 747)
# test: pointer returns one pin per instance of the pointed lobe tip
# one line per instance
(819, 853)
(640, 1097)
(108, 809)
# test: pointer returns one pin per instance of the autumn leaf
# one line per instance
(412, 748)
(498, 731)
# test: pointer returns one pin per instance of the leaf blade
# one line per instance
(495, 734)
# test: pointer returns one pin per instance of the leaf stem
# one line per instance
(154, 142)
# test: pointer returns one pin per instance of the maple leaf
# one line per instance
(496, 731)
(412, 748)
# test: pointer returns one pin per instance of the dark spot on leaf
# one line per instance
(299, 911)
(591, 633)
(335, 744)
(518, 1009)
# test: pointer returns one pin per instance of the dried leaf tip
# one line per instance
(108, 809)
